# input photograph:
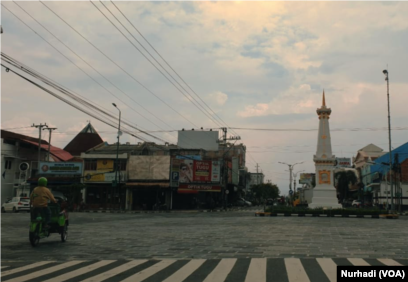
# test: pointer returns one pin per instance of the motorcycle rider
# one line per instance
(40, 197)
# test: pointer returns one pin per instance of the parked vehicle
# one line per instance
(356, 204)
(16, 204)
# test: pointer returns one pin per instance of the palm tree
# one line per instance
(343, 180)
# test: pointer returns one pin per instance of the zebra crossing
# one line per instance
(194, 270)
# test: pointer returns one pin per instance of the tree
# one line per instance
(266, 191)
(343, 180)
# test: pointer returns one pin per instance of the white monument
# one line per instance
(324, 194)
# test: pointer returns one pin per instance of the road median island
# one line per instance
(323, 212)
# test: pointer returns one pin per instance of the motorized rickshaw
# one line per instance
(59, 222)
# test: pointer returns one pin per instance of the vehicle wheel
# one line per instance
(34, 239)
(3, 210)
(64, 233)
(15, 210)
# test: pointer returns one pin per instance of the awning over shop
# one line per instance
(148, 184)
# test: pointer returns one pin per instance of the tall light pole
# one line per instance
(290, 173)
(385, 72)
(117, 155)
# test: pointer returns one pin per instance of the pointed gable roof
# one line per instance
(371, 148)
(86, 139)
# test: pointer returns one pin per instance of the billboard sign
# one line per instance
(306, 178)
(60, 168)
(343, 162)
(194, 171)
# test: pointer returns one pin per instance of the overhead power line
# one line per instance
(187, 96)
(315, 129)
(170, 66)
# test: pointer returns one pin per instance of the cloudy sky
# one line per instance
(258, 65)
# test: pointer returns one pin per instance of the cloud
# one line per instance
(219, 97)
(255, 110)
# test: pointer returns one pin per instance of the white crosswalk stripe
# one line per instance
(111, 273)
(295, 270)
(142, 275)
(257, 270)
(220, 273)
(185, 271)
(45, 271)
(358, 262)
(80, 271)
(389, 262)
(329, 268)
(4, 266)
(26, 267)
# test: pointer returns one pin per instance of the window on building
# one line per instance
(8, 164)
(90, 164)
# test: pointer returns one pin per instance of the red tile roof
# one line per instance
(57, 153)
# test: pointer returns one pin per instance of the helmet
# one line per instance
(42, 181)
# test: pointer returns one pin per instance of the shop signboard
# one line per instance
(343, 162)
(60, 168)
(306, 178)
(199, 187)
(104, 165)
(103, 177)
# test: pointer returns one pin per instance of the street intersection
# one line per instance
(200, 246)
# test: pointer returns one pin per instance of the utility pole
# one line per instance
(40, 126)
(50, 129)
(224, 192)
(257, 174)
(385, 72)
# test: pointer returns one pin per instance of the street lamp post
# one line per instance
(117, 155)
(385, 72)
(290, 174)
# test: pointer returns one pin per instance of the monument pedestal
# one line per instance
(324, 197)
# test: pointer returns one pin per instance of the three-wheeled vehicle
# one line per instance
(59, 222)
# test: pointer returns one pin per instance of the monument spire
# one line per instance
(324, 193)
(324, 100)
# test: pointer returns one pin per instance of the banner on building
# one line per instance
(194, 171)
(149, 167)
(343, 162)
(104, 177)
(60, 168)
(183, 188)
(106, 165)
(306, 178)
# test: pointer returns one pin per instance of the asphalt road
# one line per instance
(191, 247)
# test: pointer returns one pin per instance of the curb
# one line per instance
(167, 211)
(390, 216)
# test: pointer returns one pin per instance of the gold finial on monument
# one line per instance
(324, 100)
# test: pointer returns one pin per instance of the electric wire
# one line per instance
(38, 76)
(61, 89)
(93, 69)
(187, 96)
(132, 77)
(106, 56)
(214, 113)
(64, 100)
